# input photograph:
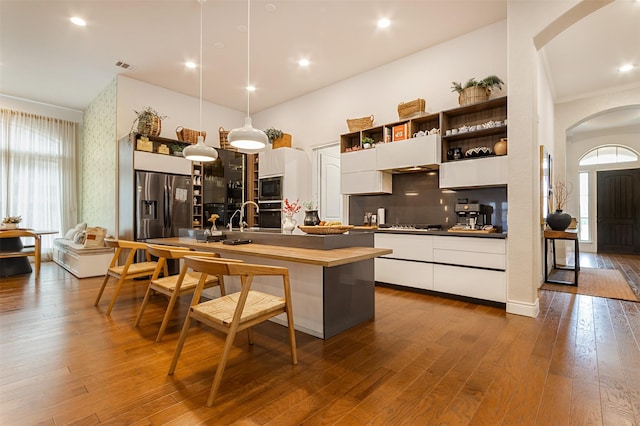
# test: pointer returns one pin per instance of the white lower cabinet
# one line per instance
(466, 266)
(471, 282)
(405, 273)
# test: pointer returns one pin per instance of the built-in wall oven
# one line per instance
(270, 214)
(270, 189)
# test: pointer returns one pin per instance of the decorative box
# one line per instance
(163, 149)
(144, 144)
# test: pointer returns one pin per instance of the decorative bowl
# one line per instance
(325, 230)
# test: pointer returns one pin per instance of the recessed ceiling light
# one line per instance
(218, 45)
(304, 62)
(251, 88)
(190, 64)
(626, 68)
(270, 7)
(383, 23)
(78, 21)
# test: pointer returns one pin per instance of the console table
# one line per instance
(550, 235)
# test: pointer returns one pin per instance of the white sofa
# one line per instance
(80, 261)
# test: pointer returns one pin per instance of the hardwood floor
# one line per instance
(424, 360)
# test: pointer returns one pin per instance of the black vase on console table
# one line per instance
(558, 220)
(311, 218)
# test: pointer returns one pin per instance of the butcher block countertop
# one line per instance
(326, 258)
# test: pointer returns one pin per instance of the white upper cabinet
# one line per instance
(489, 171)
(419, 151)
(358, 161)
(275, 162)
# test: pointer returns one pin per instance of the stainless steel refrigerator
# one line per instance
(163, 204)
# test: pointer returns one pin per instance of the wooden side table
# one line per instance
(550, 235)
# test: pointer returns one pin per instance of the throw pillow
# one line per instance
(80, 237)
(71, 233)
(95, 237)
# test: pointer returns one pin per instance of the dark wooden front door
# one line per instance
(619, 211)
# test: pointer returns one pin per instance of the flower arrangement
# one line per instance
(12, 219)
(213, 219)
(561, 192)
(273, 134)
(291, 208)
(310, 205)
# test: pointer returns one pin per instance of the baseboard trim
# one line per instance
(525, 309)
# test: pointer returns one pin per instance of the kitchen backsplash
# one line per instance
(416, 199)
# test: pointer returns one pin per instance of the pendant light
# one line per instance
(200, 151)
(247, 138)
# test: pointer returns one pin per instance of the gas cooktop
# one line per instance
(409, 227)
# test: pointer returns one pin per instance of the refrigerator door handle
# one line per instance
(167, 206)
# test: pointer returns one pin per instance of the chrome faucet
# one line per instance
(230, 225)
(242, 222)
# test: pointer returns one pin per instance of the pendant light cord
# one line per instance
(248, 54)
(200, 127)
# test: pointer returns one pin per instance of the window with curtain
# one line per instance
(38, 171)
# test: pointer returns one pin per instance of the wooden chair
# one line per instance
(23, 251)
(129, 270)
(175, 286)
(235, 312)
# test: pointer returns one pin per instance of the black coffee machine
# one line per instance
(473, 215)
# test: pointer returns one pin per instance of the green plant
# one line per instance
(368, 140)
(148, 112)
(177, 147)
(12, 219)
(488, 83)
(273, 134)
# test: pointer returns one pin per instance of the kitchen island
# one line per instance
(332, 289)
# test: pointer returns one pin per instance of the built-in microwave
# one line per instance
(270, 189)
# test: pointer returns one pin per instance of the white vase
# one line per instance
(288, 224)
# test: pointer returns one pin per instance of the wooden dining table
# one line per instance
(16, 265)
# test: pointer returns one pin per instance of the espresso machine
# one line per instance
(473, 215)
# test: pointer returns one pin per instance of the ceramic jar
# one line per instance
(500, 148)
(558, 220)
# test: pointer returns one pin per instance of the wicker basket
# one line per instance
(188, 135)
(356, 124)
(473, 95)
(282, 142)
(411, 109)
(224, 140)
(149, 125)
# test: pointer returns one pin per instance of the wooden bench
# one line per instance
(12, 248)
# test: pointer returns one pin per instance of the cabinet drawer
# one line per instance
(413, 247)
(478, 252)
(477, 283)
(404, 273)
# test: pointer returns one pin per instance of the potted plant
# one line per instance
(559, 220)
(367, 142)
(277, 138)
(475, 91)
(11, 222)
(149, 121)
(176, 149)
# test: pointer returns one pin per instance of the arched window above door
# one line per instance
(608, 155)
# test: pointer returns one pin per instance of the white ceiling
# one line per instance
(47, 59)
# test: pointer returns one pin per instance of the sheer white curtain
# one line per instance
(38, 172)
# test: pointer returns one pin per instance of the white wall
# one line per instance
(38, 108)
(320, 117)
(181, 110)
